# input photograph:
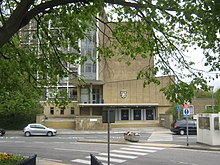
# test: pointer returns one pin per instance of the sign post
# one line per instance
(186, 113)
(178, 108)
(108, 137)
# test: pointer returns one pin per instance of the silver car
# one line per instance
(38, 129)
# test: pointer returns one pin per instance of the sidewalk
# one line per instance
(155, 130)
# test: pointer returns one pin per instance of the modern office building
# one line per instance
(108, 85)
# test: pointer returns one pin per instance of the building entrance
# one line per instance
(125, 114)
(137, 114)
(149, 114)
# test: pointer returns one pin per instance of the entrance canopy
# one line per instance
(119, 105)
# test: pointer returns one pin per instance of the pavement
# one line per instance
(157, 131)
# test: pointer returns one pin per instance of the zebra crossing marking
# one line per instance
(129, 152)
(121, 155)
(81, 161)
(111, 159)
(139, 150)
(146, 147)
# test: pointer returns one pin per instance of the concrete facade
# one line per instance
(112, 86)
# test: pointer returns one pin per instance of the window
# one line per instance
(52, 110)
(94, 68)
(72, 93)
(62, 92)
(62, 110)
(51, 93)
(84, 95)
(191, 108)
(216, 123)
(64, 80)
(72, 110)
(204, 123)
(96, 95)
(88, 68)
(209, 108)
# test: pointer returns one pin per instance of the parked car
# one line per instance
(180, 127)
(2, 131)
(38, 129)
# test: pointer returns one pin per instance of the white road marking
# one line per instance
(160, 137)
(46, 159)
(184, 137)
(39, 142)
(81, 161)
(58, 142)
(128, 152)
(111, 159)
(19, 141)
(138, 150)
(69, 149)
(119, 155)
(146, 147)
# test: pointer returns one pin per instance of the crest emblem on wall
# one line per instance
(123, 94)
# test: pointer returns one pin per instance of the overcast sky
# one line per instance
(199, 59)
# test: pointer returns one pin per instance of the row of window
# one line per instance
(204, 123)
(62, 110)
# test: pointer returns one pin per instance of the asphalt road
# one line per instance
(67, 149)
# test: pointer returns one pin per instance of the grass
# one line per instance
(10, 159)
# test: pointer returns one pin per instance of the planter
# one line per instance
(31, 160)
(17, 159)
(132, 137)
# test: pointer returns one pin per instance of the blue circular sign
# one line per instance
(178, 108)
(186, 112)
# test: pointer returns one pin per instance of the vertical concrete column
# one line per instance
(90, 93)
(90, 111)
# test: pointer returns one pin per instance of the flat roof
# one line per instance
(118, 104)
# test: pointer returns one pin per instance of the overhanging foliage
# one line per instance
(162, 29)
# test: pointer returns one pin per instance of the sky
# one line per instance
(196, 56)
(199, 59)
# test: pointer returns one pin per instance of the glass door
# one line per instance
(137, 114)
(149, 114)
(124, 114)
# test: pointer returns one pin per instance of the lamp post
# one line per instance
(212, 88)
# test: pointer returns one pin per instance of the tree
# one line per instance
(19, 99)
(216, 101)
(146, 28)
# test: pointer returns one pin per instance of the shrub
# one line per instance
(10, 159)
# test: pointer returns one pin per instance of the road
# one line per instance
(67, 149)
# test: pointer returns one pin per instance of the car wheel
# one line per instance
(182, 132)
(1, 133)
(27, 134)
(49, 134)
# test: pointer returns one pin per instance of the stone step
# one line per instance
(130, 124)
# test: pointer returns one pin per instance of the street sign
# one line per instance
(186, 106)
(178, 108)
(186, 112)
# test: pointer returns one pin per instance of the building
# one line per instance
(108, 85)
